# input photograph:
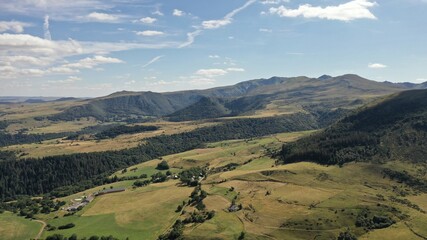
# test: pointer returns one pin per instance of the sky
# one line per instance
(89, 48)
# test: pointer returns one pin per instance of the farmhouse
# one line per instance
(80, 203)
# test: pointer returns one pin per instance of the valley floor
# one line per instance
(295, 201)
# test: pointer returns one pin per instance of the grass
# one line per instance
(61, 146)
(294, 201)
(19, 111)
(148, 168)
(13, 227)
(142, 213)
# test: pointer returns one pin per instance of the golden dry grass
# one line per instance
(61, 146)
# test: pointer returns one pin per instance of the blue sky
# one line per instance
(92, 48)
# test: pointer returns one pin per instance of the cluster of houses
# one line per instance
(82, 202)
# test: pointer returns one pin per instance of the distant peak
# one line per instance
(324, 77)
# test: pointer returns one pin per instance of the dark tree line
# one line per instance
(7, 139)
(61, 175)
(122, 129)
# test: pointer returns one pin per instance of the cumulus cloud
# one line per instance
(213, 72)
(23, 55)
(28, 45)
(102, 17)
(149, 33)
(92, 62)
(23, 61)
(216, 72)
(272, 2)
(377, 65)
(214, 56)
(158, 13)
(13, 26)
(235, 69)
(178, 13)
(356, 9)
(212, 24)
(59, 9)
(147, 20)
(70, 79)
(62, 70)
(14, 72)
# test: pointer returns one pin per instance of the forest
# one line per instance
(60, 175)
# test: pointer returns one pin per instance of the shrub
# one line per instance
(66, 226)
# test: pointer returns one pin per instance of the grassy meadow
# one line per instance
(294, 201)
(13, 227)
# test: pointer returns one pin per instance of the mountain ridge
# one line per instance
(282, 91)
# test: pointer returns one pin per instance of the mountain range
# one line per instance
(276, 95)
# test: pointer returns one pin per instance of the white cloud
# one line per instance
(356, 9)
(23, 55)
(28, 45)
(70, 79)
(13, 72)
(147, 20)
(24, 61)
(191, 36)
(377, 65)
(214, 56)
(421, 80)
(62, 70)
(213, 24)
(155, 59)
(13, 26)
(158, 13)
(235, 69)
(92, 62)
(265, 30)
(58, 9)
(46, 30)
(178, 13)
(149, 33)
(272, 2)
(213, 72)
(102, 17)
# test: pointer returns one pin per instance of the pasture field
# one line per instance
(13, 227)
(142, 213)
(19, 111)
(293, 201)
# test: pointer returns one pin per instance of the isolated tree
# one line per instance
(163, 165)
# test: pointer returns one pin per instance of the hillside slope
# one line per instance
(393, 129)
(276, 92)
